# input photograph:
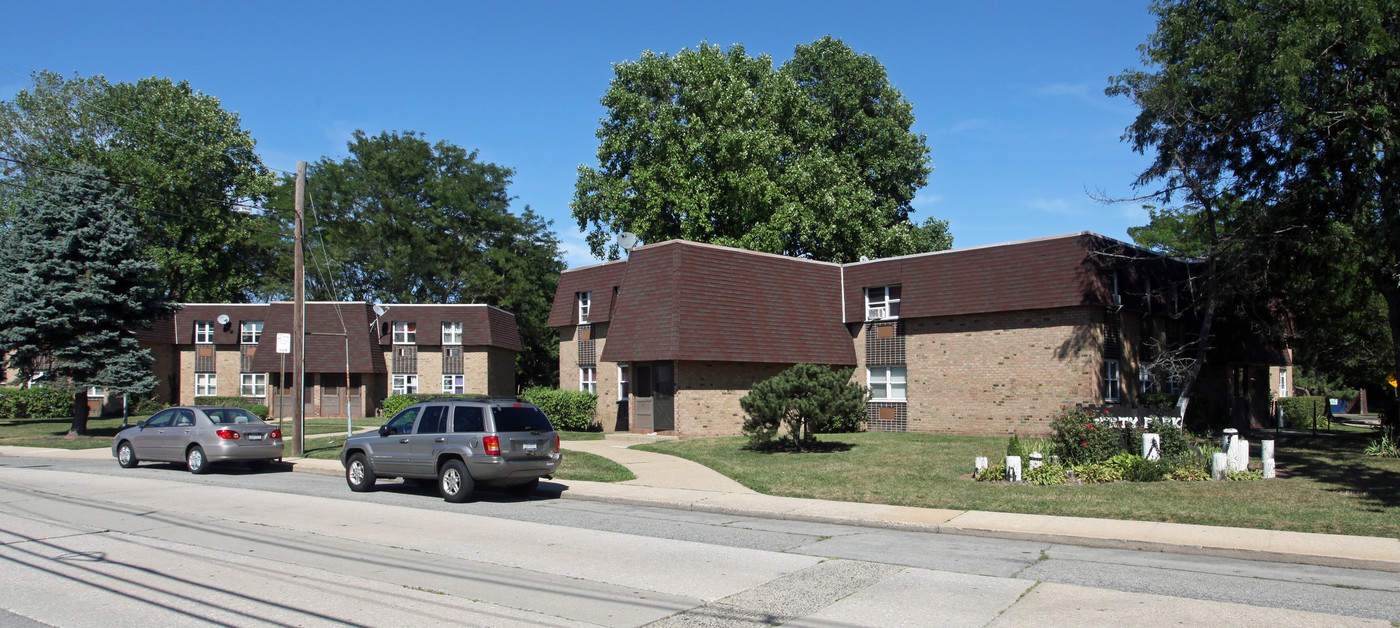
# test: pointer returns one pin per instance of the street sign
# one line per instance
(284, 343)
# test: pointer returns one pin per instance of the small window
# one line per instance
(405, 384)
(1111, 381)
(253, 385)
(250, 332)
(96, 393)
(1283, 384)
(588, 379)
(454, 384)
(882, 303)
(622, 377)
(887, 383)
(469, 419)
(206, 385)
(1144, 379)
(452, 333)
(585, 305)
(204, 332)
(405, 333)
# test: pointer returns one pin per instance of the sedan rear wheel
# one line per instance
(454, 482)
(126, 456)
(195, 460)
(359, 475)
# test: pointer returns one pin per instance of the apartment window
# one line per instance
(1111, 380)
(204, 332)
(254, 385)
(887, 383)
(454, 384)
(585, 304)
(405, 333)
(405, 384)
(1282, 384)
(452, 333)
(622, 382)
(1174, 385)
(882, 303)
(588, 379)
(206, 385)
(1144, 379)
(249, 332)
(96, 393)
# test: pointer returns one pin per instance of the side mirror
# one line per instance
(141, 425)
(385, 430)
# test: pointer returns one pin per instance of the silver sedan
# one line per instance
(199, 436)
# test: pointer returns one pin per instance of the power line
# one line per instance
(140, 209)
(119, 182)
(222, 153)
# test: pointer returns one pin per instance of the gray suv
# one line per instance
(459, 443)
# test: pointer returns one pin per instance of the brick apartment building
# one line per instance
(983, 340)
(355, 357)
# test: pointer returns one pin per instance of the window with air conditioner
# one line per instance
(882, 303)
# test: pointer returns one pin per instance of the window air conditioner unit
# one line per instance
(876, 313)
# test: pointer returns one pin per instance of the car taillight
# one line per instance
(556, 441)
(493, 445)
(229, 434)
(276, 434)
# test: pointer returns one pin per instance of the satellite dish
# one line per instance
(626, 240)
(223, 319)
(379, 310)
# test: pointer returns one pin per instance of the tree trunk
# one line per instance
(1390, 419)
(80, 414)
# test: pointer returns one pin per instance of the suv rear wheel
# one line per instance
(454, 482)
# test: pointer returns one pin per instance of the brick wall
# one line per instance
(999, 373)
(568, 358)
(430, 370)
(708, 393)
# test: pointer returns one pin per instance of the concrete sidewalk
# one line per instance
(669, 482)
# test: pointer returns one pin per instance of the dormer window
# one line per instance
(204, 332)
(452, 333)
(882, 303)
(585, 300)
(250, 332)
(405, 333)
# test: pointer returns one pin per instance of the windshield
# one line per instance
(520, 419)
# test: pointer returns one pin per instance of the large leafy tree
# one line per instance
(183, 160)
(1289, 111)
(815, 159)
(404, 221)
(72, 287)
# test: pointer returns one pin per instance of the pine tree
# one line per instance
(806, 399)
(72, 290)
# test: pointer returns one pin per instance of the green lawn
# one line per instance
(1325, 484)
(54, 432)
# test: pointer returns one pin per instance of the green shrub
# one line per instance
(395, 403)
(1247, 475)
(1303, 413)
(1015, 448)
(149, 406)
(233, 402)
(570, 410)
(1157, 400)
(40, 402)
(1384, 448)
(994, 473)
(1046, 474)
(1096, 472)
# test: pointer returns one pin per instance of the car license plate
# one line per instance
(255, 436)
(530, 446)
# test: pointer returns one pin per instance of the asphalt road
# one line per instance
(87, 543)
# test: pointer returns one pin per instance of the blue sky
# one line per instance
(1010, 94)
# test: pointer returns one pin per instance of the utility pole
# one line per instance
(298, 313)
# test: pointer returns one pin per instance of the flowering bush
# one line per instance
(1079, 437)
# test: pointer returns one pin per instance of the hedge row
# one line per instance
(395, 403)
(1304, 413)
(41, 402)
(568, 410)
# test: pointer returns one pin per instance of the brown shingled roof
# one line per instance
(599, 280)
(482, 325)
(689, 301)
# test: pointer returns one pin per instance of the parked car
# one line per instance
(460, 443)
(199, 436)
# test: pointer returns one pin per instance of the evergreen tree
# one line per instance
(806, 399)
(72, 289)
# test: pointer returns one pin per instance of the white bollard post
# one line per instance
(979, 466)
(1013, 468)
(1218, 462)
(1266, 453)
(1036, 459)
(1228, 438)
(1239, 454)
(1152, 446)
